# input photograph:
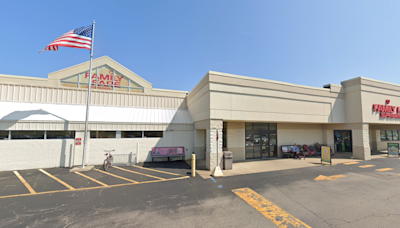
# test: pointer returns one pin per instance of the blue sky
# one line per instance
(173, 44)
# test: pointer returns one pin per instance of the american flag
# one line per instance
(77, 38)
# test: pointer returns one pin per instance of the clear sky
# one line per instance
(172, 44)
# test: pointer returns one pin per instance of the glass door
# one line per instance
(260, 140)
(272, 146)
(343, 140)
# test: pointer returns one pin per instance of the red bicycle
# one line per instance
(109, 160)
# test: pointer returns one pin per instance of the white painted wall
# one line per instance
(288, 134)
(125, 146)
(50, 153)
(34, 154)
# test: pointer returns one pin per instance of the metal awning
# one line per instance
(19, 111)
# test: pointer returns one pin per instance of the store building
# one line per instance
(41, 118)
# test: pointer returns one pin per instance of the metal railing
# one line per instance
(124, 159)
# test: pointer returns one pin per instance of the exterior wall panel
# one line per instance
(25, 93)
(309, 134)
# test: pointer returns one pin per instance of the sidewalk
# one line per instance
(261, 166)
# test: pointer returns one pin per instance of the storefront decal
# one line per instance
(387, 111)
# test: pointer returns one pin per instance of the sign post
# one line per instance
(393, 149)
(326, 154)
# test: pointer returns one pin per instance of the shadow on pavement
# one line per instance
(166, 165)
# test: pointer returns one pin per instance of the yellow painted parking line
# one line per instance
(351, 163)
(123, 178)
(271, 211)
(92, 179)
(366, 166)
(159, 171)
(334, 177)
(127, 170)
(30, 189)
(384, 169)
(58, 180)
(90, 188)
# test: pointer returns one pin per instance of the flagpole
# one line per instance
(88, 99)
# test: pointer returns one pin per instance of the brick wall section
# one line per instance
(360, 137)
(211, 146)
(236, 140)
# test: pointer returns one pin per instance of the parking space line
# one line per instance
(90, 188)
(351, 163)
(24, 182)
(271, 211)
(366, 166)
(384, 169)
(58, 180)
(127, 170)
(123, 178)
(92, 179)
(159, 171)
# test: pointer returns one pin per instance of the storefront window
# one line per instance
(153, 134)
(102, 134)
(383, 135)
(3, 135)
(389, 135)
(395, 134)
(27, 134)
(131, 134)
(60, 134)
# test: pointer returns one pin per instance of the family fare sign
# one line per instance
(387, 111)
(105, 79)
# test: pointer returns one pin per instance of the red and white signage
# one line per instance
(387, 111)
(78, 141)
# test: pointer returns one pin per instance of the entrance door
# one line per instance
(343, 141)
(260, 140)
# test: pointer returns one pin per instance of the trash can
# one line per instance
(228, 160)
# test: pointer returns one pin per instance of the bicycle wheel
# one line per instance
(105, 165)
(111, 161)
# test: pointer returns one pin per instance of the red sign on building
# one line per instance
(387, 111)
(78, 141)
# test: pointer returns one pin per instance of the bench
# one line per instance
(287, 151)
(167, 152)
(167, 156)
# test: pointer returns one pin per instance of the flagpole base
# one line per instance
(217, 172)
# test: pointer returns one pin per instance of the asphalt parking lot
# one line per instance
(55, 180)
(352, 194)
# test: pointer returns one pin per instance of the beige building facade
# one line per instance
(41, 119)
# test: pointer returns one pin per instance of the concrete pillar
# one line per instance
(211, 148)
(360, 136)
(211, 127)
